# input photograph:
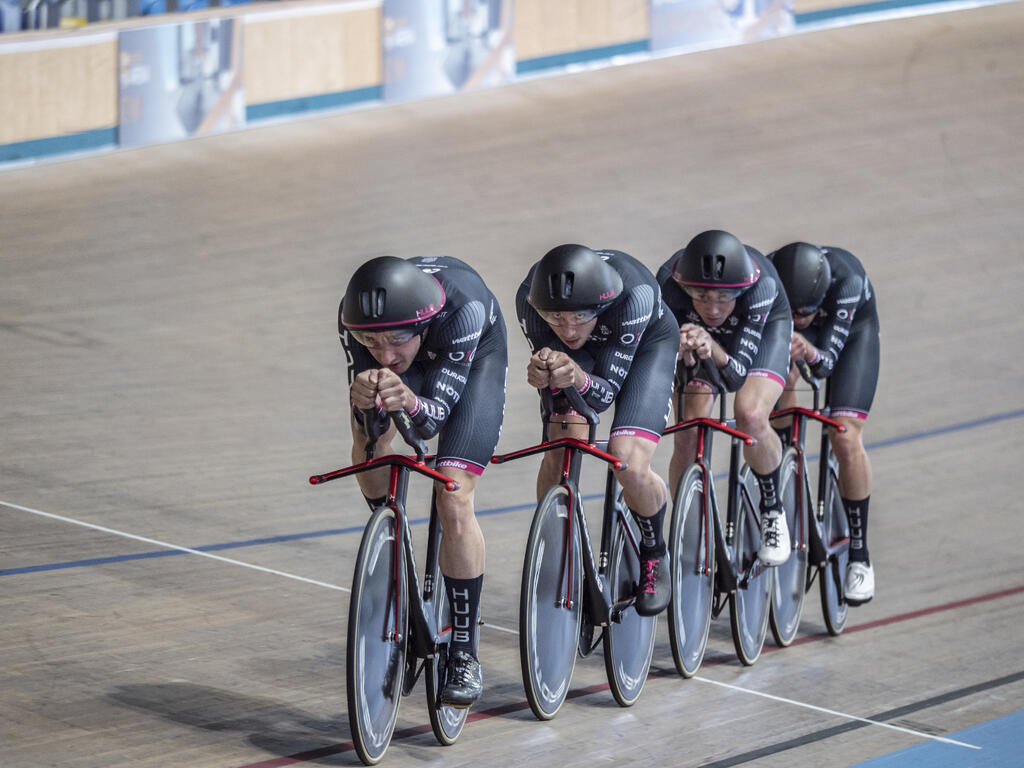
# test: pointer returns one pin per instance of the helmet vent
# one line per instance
(560, 285)
(372, 302)
(712, 266)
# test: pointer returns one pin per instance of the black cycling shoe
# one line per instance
(464, 680)
(655, 588)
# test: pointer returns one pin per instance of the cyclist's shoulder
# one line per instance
(842, 262)
(444, 268)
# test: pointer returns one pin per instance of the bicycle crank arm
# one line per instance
(620, 608)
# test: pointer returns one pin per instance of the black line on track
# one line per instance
(891, 714)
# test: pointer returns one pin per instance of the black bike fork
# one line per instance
(594, 601)
(421, 640)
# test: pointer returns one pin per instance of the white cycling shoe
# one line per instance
(775, 546)
(859, 587)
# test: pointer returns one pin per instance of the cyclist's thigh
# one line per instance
(855, 376)
(758, 395)
(644, 403)
(772, 358)
(468, 440)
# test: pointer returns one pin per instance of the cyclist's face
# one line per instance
(802, 321)
(573, 333)
(713, 309)
(391, 352)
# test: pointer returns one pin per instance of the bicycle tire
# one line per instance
(790, 578)
(750, 604)
(835, 533)
(692, 554)
(629, 642)
(378, 630)
(446, 722)
(549, 630)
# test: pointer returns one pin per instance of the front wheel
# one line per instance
(692, 555)
(446, 722)
(791, 577)
(836, 536)
(751, 602)
(550, 603)
(628, 642)
(378, 627)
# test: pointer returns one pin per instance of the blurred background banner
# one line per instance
(433, 47)
(180, 80)
(702, 23)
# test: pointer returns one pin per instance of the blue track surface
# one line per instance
(1001, 742)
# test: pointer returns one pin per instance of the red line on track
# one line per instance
(405, 733)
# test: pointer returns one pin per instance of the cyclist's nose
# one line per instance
(387, 356)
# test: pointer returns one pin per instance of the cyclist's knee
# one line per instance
(752, 418)
(456, 510)
(754, 403)
(633, 476)
(636, 453)
(849, 443)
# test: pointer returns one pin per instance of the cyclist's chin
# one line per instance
(574, 343)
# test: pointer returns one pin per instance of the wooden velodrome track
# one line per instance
(171, 377)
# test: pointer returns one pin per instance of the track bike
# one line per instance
(818, 526)
(396, 630)
(568, 591)
(714, 548)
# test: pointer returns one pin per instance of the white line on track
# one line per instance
(919, 734)
(168, 545)
(230, 561)
(190, 551)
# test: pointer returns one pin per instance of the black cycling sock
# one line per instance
(857, 514)
(375, 502)
(464, 599)
(652, 540)
(768, 484)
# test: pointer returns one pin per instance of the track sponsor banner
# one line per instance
(704, 23)
(433, 47)
(180, 80)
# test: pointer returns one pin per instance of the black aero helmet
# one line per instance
(805, 275)
(571, 278)
(717, 260)
(390, 293)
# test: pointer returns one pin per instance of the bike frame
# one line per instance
(727, 578)
(425, 634)
(596, 599)
(595, 596)
(813, 540)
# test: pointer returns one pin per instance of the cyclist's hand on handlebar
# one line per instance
(363, 393)
(696, 339)
(800, 348)
(537, 373)
(563, 371)
(394, 394)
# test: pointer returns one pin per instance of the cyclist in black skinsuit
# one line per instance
(426, 335)
(837, 333)
(730, 306)
(595, 321)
